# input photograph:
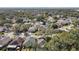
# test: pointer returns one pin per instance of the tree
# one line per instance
(24, 27)
(2, 19)
(40, 18)
(55, 26)
(64, 41)
(19, 21)
(75, 22)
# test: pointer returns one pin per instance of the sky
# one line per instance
(39, 3)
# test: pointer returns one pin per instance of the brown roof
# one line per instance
(17, 41)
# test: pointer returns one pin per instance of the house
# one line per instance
(41, 41)
(32, 29)
(50, 19)
(77, 26)
(10, 35)
(1, 29)
(67, 28)
(17, 43)
(68, 21)
(4, 41)
(58, 31)
(22, 35)
(37, 23)
(62, 22)
(30, 42)
(42, 28)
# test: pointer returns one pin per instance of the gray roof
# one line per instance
(1, 29)
(32, 29)
(63, 22)
(4, 41)
(30, 41)
(41, 42)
